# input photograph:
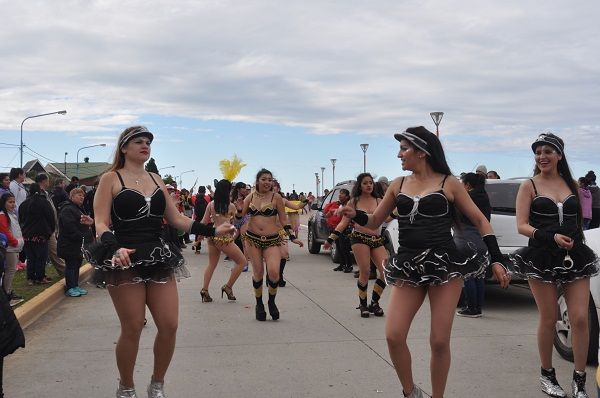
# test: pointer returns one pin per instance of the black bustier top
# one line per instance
(555, 217)
(137, 218)
(424, 221)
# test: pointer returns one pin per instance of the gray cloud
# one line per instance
(498, 69)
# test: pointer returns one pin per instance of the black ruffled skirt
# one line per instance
(435, 266)
(156, 261)
(552, 264)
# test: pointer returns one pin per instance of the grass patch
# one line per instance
(21, 288)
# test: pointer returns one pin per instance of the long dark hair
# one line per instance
(221, 197)
(436, 158)
(357, 190)
(565, 172)
(3, 200)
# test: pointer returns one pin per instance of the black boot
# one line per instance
(281, 268)
(362, 297)
(260, 313)
(273, 310)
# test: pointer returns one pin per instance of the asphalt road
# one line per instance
(319, 348)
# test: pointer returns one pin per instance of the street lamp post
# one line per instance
(77, 164)
(333, 171)
(167, 167)
(31, 117)
(437, 119)
(322, 181)
(317, 181)
(180, 180)
(364, 148)
(65, 162)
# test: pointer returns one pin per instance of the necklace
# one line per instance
(259, 195)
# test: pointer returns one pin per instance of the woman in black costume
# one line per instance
(549, 214)
(140, 268)
(367, 244)
(427, 263)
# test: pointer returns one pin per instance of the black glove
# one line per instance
(202, 229)
(544, 236)
(109, 241)
(492, 244)
(361, 218)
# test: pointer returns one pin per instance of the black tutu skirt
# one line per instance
(156, 261)
(552, 264)
(435, 266)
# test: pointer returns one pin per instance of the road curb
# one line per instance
(30, 311)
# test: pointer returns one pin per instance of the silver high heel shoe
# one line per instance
(415, 393)
(126, 392)
(156, 389)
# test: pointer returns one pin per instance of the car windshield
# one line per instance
(502, 197)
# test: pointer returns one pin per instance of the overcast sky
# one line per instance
(289, 85)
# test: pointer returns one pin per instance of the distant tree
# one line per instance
(168, 179)
(151, 166)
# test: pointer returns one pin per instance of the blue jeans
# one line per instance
(72, 265)
(37, 257)
(474, 292)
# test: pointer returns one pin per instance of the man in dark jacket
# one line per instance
(36, 217)
(59, 194)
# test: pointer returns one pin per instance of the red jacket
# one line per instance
(333, 220)
(5, 229)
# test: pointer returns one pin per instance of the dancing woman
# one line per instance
(427, 262)
(264, 237)
(139, 267)
(285, 252)
(549, 214)
(367, 244)
(220, 211)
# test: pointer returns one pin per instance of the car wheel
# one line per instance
(562, 335)
(314, 247)
(335, 255)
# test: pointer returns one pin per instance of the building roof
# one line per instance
(86, 170)
(35, 165)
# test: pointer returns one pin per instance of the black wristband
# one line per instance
(336, 232)
(287, 227)
(493, 249)
(202, 229)
(330, 241)
(109, 241)
(361, 218)
(293, 237)
(543, 236)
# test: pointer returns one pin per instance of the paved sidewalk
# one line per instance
(319, 348)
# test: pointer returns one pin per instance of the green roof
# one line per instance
(86, 170)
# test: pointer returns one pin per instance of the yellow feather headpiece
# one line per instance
(231, 168)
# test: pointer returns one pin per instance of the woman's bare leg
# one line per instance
(130, 304)
(163, 302)
(213, 259)
(578, 297)
(442, 300)
(404, 302)
(545, 295)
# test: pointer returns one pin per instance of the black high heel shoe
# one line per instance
(228, 291)
(273, 310)
(261, 315)
(205, 296)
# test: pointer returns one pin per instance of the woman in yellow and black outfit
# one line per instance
(367, 245)
(263, 237)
